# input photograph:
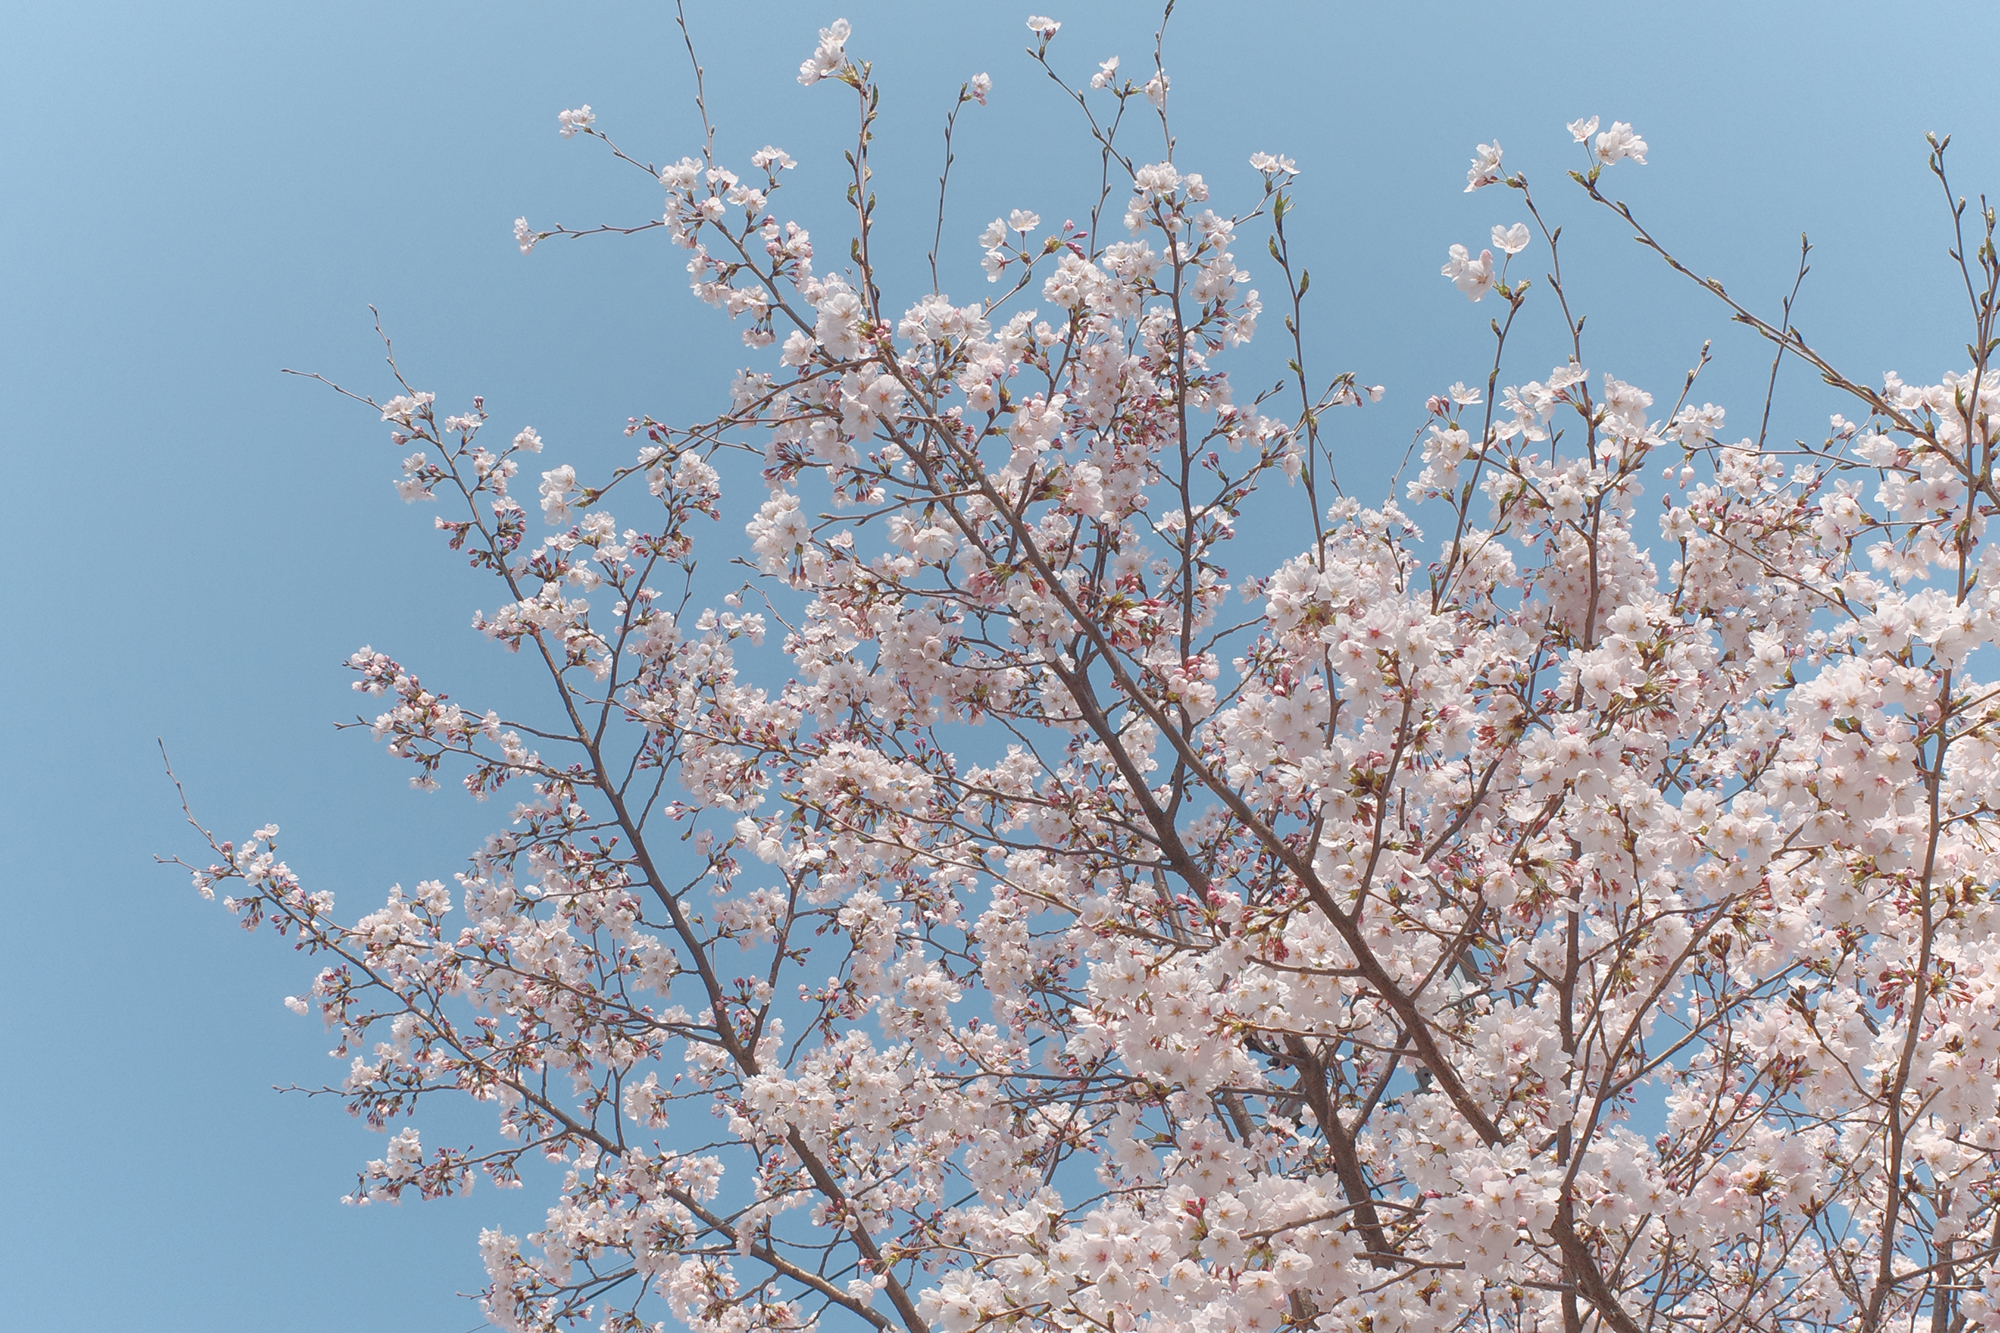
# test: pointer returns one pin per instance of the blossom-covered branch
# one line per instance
(1048, 910)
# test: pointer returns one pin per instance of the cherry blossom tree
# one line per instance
(998, 907)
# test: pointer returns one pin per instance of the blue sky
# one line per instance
(200, 194)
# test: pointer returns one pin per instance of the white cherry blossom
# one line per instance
(973, 888)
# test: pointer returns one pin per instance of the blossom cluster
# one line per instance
(1505, 909)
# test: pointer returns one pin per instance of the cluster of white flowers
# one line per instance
(1538, 924)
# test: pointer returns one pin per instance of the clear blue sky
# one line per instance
(200, 193)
